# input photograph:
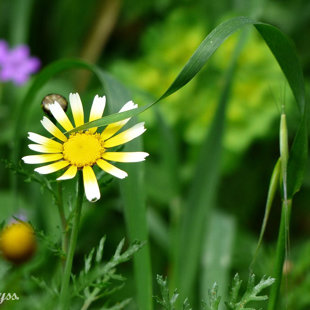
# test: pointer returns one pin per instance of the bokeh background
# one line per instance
(144, 44)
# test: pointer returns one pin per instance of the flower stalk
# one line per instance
(282, 243)
(63, 221)
(64, 293)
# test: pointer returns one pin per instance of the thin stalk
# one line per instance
(280, 254)
(63, 221)
(273, 186)
(282, 245)
(64, 293)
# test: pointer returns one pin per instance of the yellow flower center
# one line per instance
(83, 149)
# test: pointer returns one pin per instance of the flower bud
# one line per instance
(17, 242)
(51, 98)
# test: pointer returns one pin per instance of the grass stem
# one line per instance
(280, 254)
(64, 293)
(63, 221)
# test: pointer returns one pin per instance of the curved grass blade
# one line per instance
(273, 185)
(297, 159)
(201, 196)
(133, 193)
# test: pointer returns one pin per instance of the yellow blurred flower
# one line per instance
(17, 242)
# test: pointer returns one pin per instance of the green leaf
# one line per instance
(133, 194)
(202, 190)
(273, 185)
(216, 256)
(297, 159)
(214, 299)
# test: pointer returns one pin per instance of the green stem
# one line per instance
(64, 294)
(281, 253)
(63, 221)
(91, 298)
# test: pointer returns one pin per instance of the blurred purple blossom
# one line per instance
(16, 64)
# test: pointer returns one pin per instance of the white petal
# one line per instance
(125, 157)
(113, 128)
(128, 106)
(43, 149)
(125, 136)
(107, 167)
(40, 159)
(53, 129)
(69, 174)
(90, 184)
(97, 108)
(52, 167)
(60, 116)
(44, 141)
(77, 109)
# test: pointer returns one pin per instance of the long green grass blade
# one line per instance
(202, 191)
(282, 244)
(217, 255)
(279, 44)
(297, 159)
(133, 193)
(273, 186)
(280, 254)
(19, 29)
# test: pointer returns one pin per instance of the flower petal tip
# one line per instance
(94, 199)
(123, 175)
(38, 170)
(62, 178)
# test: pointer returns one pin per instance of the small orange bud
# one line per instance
(17, 242)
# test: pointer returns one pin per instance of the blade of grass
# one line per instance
(282, 244)
(298, 158)
(158, 229)
(280, 254)
(273, 186)
(133, 194)
(279, 44)
(20, 21)
(217, 255)
(194, 219)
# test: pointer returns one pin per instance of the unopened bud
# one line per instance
(51, 98)
(17, 242)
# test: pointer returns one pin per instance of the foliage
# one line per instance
(235, 302)
(212, 140)
(95, 280)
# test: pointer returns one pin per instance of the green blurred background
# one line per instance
(144, 44)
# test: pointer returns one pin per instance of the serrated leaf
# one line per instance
(100, 248)
(88, 261)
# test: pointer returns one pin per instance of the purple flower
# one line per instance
(16, 64)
